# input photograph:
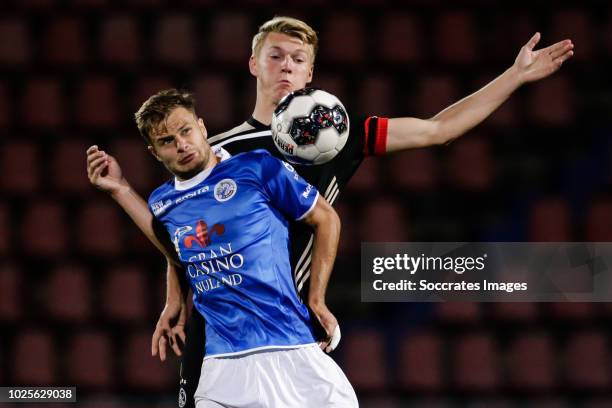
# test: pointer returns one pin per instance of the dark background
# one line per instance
(81, 289)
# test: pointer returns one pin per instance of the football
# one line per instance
(310, 126)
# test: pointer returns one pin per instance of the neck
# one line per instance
(210, 163)
(264, 108)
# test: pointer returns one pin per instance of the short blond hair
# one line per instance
(289, 26)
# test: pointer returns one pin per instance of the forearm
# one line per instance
(325, 244)
(139, 212)
(463, 115)
(175, 293)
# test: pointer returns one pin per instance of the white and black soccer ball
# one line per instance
(310, 126)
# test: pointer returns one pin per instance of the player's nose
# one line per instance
(287, 64)
(181, 144)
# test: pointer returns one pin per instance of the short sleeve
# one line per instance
(375, 136)
(287, 190)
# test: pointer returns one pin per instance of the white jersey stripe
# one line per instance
(331, 184)
(304, 267)
(306, 252)
(244, 137)
(305, 278)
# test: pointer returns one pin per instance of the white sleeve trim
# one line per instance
(310, 209)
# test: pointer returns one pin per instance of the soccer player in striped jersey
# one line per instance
(283, 56)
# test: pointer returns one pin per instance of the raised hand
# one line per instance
(534, 65)
(104, 171)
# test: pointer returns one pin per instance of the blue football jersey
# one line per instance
(229, 226)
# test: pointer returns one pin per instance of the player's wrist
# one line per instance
(122, 190)
(516, 75)
(316, 304)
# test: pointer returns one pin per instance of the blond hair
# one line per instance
(289, 26)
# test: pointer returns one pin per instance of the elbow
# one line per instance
(440, 134)
(335, 221)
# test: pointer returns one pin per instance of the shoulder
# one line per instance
(257, 155)
(242, 128)
(158, 198)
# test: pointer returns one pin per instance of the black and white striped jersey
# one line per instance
(367, 137)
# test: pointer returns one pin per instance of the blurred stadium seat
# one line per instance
(97, 102)
(136, 162)
(577, 311)
(347, 30)
(420, 366)
(598, 223)
(146, 86)
(15, 47)
(43, 230)
(120, 41)
(11, 293)
(376, 96)
(476, 365)
(34, 360)
(456, 39)
(90, 360)
(576, 25)
(175, 40)
(552, 102)
(124, 294)
(549, 220)
(515, 311)
(384, 220)
(364, 359)
(68, 294)
(470, 165)
(43, 104)
(214, 96)
(6, 108)
(99, 230)
(433, 94)
(458, 312)
(400, 38)
(64, 41)
(414, 170)
(588, 361)
(5, 228)
(230, 38)
(67, 167)
(532, 362)
(142, 371)
(334, 84)
(19, 167)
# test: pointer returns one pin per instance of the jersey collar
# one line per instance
(257, 124)
(182, 185)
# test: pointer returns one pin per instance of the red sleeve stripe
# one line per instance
(380, 147)
(375, 142)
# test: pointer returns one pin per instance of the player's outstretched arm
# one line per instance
(326, 224)
(530, 65)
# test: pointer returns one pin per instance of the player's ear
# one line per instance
(310, 73)
(202, 127)
(253, 65)
(151, 150)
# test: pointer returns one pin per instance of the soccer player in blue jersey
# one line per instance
(228, 220)
(283, 58)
